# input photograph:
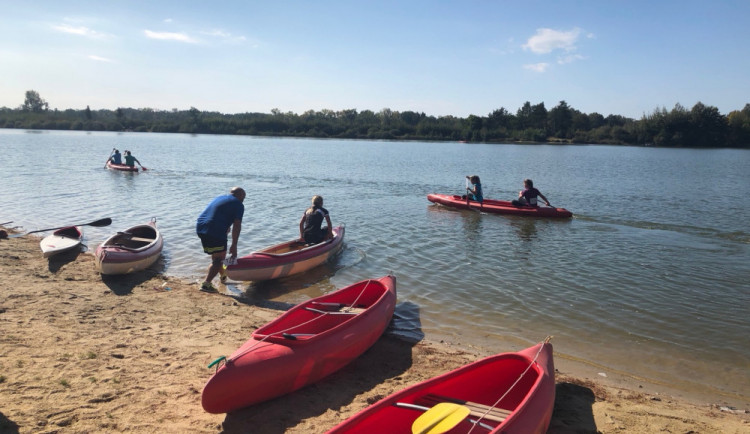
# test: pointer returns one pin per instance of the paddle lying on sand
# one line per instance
(440, 418)
(98, 223)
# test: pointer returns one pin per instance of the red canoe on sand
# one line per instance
(505, 393)
(305, 344)
(121, 167)
(499, 207)
(285, 259)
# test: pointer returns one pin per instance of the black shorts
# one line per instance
(212, 245)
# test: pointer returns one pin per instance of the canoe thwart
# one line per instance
(477, 409)
(354, 311)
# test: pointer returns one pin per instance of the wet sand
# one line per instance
(79, 353)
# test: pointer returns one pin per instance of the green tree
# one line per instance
(34, 102)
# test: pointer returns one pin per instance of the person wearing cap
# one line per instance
(310, 230)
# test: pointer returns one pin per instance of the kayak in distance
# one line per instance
(498, 206)
(307, 343)
(135, 249)
(285, 259)
(61, 240)
(505, 393)
(121, 167)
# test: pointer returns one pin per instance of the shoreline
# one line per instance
(80, 352)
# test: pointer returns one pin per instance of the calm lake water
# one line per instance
(651, 278)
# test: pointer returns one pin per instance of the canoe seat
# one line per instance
(353, 311)
(477, 410)
(144, 240)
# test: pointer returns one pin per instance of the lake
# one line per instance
(650, 279)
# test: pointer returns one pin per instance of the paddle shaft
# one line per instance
(110, 156)
(98, 223)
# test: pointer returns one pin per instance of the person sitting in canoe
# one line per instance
(528, 195)
(131, 160)
(117, 157)
(310, 230)
(475, 191)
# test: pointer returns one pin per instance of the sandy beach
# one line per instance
(79, 353)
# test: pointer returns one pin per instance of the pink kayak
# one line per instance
(135, 249)
(498, 206)
(505, 393)
(305, 344)
(285, 259)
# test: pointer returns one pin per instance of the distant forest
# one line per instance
(700, 126)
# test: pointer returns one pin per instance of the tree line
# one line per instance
(700, 126)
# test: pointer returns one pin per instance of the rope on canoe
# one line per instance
(281, 332)
(494, 406)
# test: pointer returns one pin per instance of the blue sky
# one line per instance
(438, 57)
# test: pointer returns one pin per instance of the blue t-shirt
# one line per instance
(219, 215)
(478, 196)
(117, 158)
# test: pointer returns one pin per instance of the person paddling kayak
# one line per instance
(528, 195)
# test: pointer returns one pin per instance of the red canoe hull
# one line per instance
(529, 403)
(302, 346)
(121, 167)
(499, 207)
(285, 259)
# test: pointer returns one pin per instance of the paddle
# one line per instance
(440, 418)
(98, 223)
(142, 168)
(110, 156)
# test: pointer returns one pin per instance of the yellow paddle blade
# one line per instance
(440, 418)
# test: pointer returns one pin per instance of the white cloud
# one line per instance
(562, 60)
(168, 20)
(547, 40)
(79, 30)
(170, 36)
(224, 36)
(537, 67)
(99, 58)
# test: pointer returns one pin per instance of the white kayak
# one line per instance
(61, 240)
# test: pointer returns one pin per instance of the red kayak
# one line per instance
(305, 344)
(499, 206)
(285, 259)
(504, 393)
(121, 167)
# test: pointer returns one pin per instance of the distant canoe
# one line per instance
(61, 240)
(525, 380)
(135, 249)
(307, 343)
(285, 259)
(499, 207)
(121, 167)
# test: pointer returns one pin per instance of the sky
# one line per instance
(441, 58)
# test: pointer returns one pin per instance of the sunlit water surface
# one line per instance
(650, 277)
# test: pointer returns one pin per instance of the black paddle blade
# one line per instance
(99, 223)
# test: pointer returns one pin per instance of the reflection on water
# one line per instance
(649, 265)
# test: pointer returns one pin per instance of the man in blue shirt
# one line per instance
(117, 157)
(212, 227)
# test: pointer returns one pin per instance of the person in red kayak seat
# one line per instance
(117, 157)
(310, 230)
(475, 191)
(527, 196)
